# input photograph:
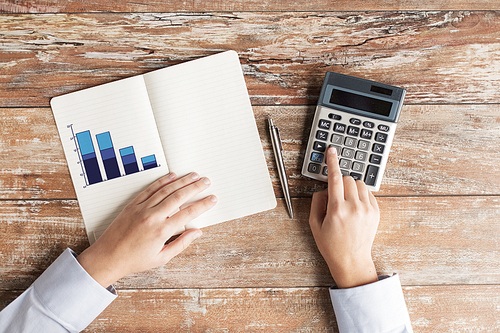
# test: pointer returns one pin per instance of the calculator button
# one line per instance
(375, 159)
(356, 176)
(350, 142)
(366, 134)
(325, 171)
(354, 131)
(349, 153)
(371, 175)
(338, 149)
(363, 145)
(381, 137)
(378, 148)
(337, 139)
(358, 167)
(317, 157)
(339, 128)
(324, 124)
(355, 121)
(384, 128)
(334, 116)
(319, 146)
(322, 135)
(344, 172)
(368, 124)
(361, 156)
(345, 164)
(314, 168)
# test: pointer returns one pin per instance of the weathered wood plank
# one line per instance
(32, 162)
(439, 149)
(59, 6)
(428, 240)
(440, 57)
(467, 309)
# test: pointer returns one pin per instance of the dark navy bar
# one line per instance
(149, 162)
(90, 163)
(108, 155)
(129, 161)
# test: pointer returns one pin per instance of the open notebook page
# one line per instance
(112, 147)
(206, 124)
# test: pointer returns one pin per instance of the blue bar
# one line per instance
(90, 163)
(148, 159)
(87, 156)
(127, 151)
(104, 141)
(129, 161)
(85, 142)
(108, 155)
(149, 162)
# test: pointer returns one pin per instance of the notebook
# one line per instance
(195, 116)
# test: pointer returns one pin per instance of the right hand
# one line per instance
(344, 219)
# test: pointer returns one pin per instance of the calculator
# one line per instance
(357, 117)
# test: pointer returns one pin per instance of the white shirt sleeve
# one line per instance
(65, 298)
(372, 308)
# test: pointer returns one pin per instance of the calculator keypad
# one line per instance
(360, 145)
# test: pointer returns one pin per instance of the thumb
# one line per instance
(318, 210)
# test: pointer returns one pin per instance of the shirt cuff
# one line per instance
(375, 307)
(70, 293)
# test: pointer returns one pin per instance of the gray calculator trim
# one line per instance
(361, 87)
(324, 110)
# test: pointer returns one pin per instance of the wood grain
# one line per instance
(468, 309)
(428, 240)
(438, 56)
(51, 6)
(438, 150)
(459, 308)
(440, 195)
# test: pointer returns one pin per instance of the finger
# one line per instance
(175, 247)
(350, 189)
(318, 210)
(373, 200)
(189, 213)
(155, 186)
(335, 183)
(167, 190)
(362, 191)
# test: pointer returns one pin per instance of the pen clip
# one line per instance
(279, 138)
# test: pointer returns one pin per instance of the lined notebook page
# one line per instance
(206, 124)
(116, 115)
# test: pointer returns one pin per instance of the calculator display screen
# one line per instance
(359, 102)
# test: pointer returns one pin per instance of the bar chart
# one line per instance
(90, 160)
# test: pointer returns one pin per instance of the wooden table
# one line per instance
(439, 199)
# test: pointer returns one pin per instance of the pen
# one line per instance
(278, 156)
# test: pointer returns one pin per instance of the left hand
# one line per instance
(135, 241)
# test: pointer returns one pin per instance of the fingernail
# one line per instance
(197, 235)
(195, 176)
(213, 198)
(171, 175)
(206, 181)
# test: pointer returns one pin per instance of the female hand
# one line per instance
(135, 241)
(344, 219)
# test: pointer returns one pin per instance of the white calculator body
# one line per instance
(358, 117)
